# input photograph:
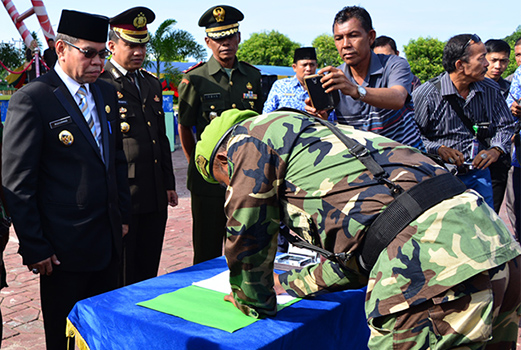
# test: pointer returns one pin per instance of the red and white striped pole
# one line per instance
(43, 18)
(22, 29)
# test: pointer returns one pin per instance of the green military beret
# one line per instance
(212, 137)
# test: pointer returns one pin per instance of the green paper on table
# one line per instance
(203, 306)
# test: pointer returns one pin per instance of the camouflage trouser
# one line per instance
(482, 312)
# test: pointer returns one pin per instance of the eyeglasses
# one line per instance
(473, 38)
(91, 53)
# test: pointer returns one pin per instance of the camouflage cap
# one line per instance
(212, 137)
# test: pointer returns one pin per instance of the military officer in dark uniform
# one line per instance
(207, 90)
(142, 122)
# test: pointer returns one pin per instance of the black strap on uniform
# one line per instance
(357, 150)
(405, 208)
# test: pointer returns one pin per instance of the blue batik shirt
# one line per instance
(286, 93)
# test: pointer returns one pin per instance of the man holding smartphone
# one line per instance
(374, 89)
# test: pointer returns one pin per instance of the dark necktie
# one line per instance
(133, 78)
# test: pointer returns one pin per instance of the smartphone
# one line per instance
(319, 98)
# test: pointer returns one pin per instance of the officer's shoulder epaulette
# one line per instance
(251, 65)
(197, 65)
(145, 71)
(149, 73)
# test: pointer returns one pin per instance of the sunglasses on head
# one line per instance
(473, 38)
(91, 53)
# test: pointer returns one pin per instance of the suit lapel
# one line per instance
(102, 116)
(64, 96)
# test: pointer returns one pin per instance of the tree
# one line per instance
(168, 44)
(273, 49)
(327, 54)
(11, 57)
(511, 39)
(425, 57)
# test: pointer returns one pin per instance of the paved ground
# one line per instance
(20, 302)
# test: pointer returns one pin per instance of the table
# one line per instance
(113, 320)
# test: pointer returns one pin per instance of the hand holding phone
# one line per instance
(320, 100)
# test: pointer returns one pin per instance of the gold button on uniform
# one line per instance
(212, 107)
(155, 161)
(154, 142)
(149, 123)
(125, 127)
(231, 83)
(234, 105)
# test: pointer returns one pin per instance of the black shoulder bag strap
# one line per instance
(357, 150)
(406, 207)
(456, 107)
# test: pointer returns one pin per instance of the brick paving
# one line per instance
(20, 302)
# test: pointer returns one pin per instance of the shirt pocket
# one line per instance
(217, 106)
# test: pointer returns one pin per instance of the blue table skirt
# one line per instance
(113, 321)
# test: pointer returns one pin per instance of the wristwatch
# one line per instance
(361, 92)
(498, 149)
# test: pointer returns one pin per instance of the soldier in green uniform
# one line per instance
(450, 278)
(207, 90)
(142, 121)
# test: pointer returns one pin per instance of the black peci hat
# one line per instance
(82, 25)
(304, 53)
(221, 21)
(131, 25)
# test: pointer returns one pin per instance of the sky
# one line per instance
(304, 20)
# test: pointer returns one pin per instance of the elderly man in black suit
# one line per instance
(65, 174)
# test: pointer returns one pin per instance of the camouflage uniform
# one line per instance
(292, 169)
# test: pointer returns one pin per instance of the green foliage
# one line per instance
(168, 44)
(327, 54)
(11, 57)
(425, 57)
(511, 39)
(273, 48)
